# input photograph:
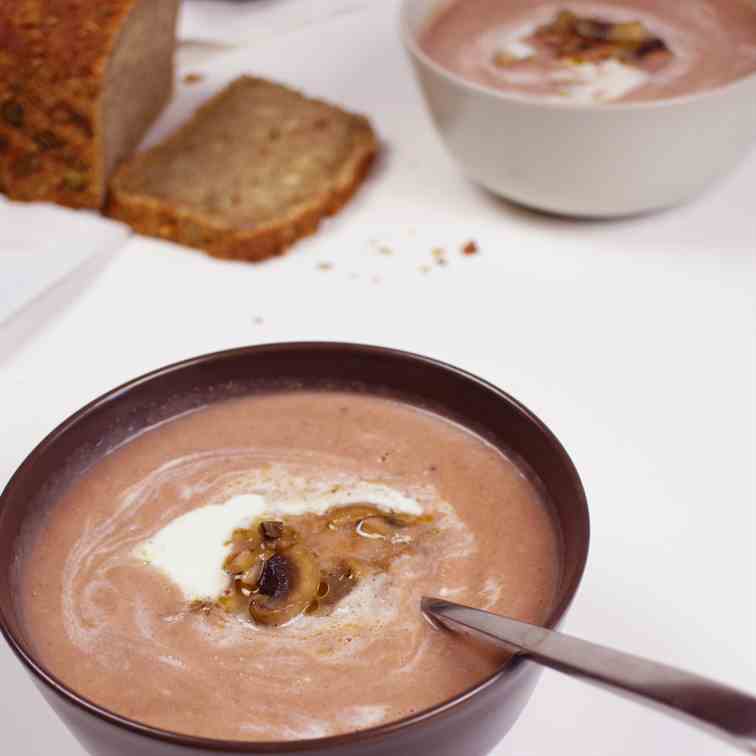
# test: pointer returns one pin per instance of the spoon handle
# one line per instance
(721, 710)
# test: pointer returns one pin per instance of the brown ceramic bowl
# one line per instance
(470, 723)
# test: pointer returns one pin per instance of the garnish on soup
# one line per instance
(572, 38)
(279, 570)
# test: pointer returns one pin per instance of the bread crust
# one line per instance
(153, 216)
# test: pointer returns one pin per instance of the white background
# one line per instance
(634, 341)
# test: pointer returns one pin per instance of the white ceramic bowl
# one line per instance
(599, 161)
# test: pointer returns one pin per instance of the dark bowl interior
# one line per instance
(112, 419)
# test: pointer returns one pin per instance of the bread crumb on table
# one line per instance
(193, 78)
(439, 256)
(325, 266)
(471, 248)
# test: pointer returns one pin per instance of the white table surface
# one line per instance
(245, 22)
(634, 341)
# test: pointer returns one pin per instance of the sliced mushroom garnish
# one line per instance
(374, 527)
(351, 515)
(586, 39)
(271, 529)
(368, 521)
(251, 578)
(246, 548)
(245, 538)
(278, 535)
(593, 29)
(564, 21)
(630, 32)
(288, 584)
(238, 563)
(275, 576)
(652, 46)
(289, 538)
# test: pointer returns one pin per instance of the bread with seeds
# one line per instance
(80, 83)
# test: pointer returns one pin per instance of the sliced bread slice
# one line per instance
(255, 169)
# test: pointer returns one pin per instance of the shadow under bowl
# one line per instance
(470, 723)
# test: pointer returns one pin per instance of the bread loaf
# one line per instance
(80, 82)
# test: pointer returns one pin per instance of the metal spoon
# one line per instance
(719, 709)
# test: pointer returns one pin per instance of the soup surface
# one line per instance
(585, 51)
(131, 598)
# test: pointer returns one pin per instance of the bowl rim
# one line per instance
(379, 732)
(412, 44)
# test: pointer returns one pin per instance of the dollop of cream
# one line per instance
(517, 49)
(190, 550)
